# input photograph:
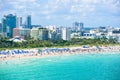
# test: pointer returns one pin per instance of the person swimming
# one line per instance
(6, 62)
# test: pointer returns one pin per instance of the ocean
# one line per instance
(65, 67)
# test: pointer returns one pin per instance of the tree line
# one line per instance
(5, 43)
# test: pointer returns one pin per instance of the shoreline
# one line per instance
(48, 52)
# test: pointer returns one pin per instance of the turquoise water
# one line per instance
(70, 67)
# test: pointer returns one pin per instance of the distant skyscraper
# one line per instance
(28, 22)
(81, 25)
(19, 22)
(8, 23)
(78, 27)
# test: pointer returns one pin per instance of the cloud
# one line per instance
(48, 17)
(66, 6)
(66, 9)
(68, 17)
(81, 7)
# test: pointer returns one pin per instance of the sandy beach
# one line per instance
(47, 52)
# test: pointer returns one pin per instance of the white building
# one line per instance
(54, 32)
(17, 39)
(19, 22)
(88, 35)
(66, 34)
(34, 33)
(51, 29)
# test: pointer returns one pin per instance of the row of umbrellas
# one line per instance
(17, 51)
(11, 52)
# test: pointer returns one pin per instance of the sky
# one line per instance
(93, 13)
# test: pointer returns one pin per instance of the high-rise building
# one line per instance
(78, 27)
(4, 28)
(0, 27)
(28, 22)
(81, 26)
(66, 34)
(19, 22)
(8, 23)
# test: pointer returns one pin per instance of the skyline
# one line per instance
(92, 13)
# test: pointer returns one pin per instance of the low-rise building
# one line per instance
(88, 35)
(17, 39)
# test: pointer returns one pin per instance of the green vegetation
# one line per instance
(4, 43)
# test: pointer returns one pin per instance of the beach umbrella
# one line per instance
(39, 51)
